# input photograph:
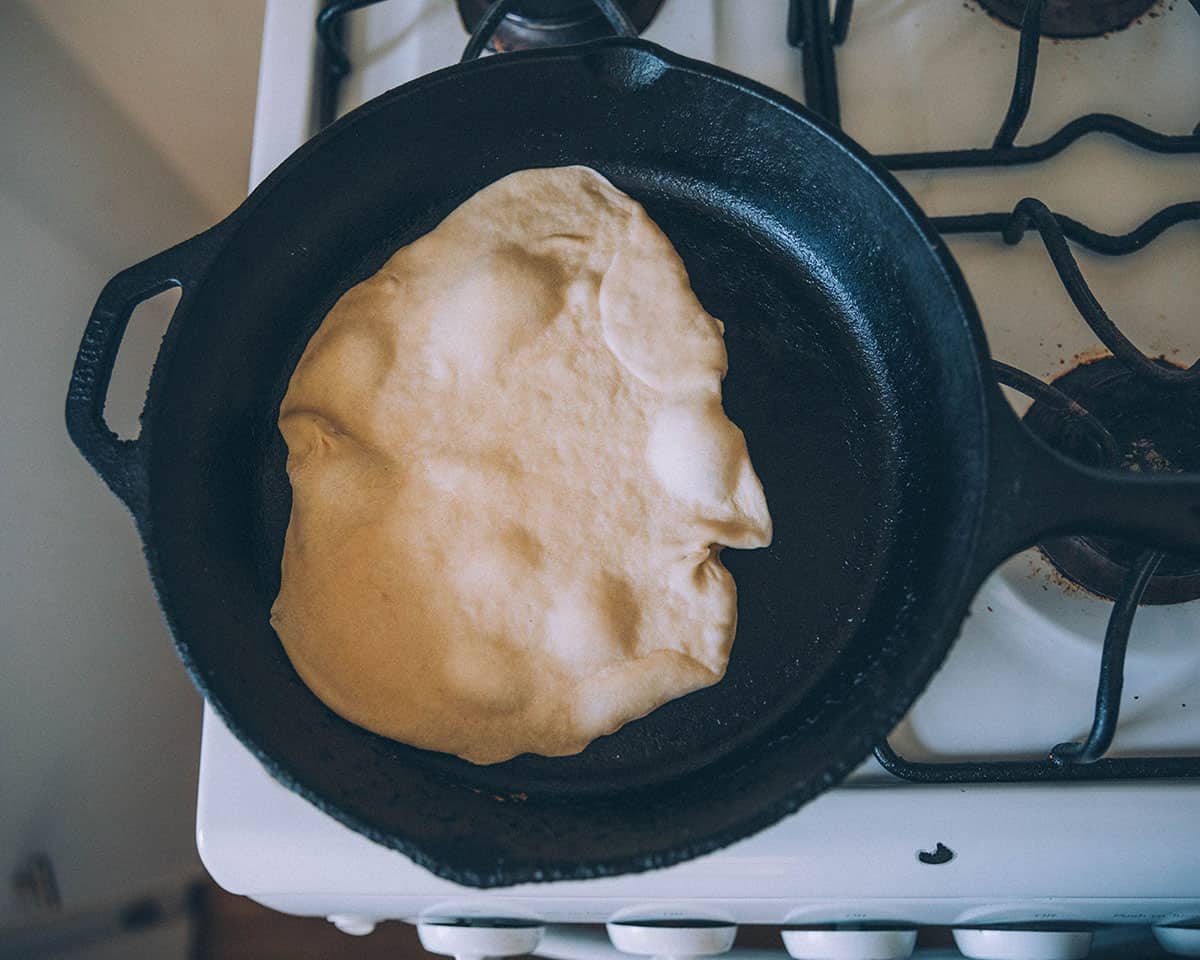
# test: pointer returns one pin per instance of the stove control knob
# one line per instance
(1182, 940)
(1015, 943)
(672, 938)
(850, 943)
(476, 937)
(352, 923)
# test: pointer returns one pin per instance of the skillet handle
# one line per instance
(1034, 493)
(122, 463)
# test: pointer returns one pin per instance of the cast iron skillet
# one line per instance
(896, 474)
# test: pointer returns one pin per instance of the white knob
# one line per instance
(1015, 944)
(876, 943)
(674, 938)
(473, 939)
(1183, 941)
(352, 923)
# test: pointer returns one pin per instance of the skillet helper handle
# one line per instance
(1034, 493)
(122, 463)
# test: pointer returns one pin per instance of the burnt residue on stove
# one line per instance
(1074, 19)
(1155, 429)
(1042, 567)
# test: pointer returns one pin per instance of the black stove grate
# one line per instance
(333, 63)
(816, 32)
(810, 29)
(1084, 760)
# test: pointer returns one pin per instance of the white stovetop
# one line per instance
(914, 74)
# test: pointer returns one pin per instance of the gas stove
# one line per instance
(976, 814)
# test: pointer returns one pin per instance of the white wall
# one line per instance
(99, 725)
(183, 73)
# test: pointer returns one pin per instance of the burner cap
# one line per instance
(1073, 18)
(1157, 430)
(550, 23)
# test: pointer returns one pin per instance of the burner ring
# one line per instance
(1156, 430)
(1086, 561)
(1073, 19)
(548, 23)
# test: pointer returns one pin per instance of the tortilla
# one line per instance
(512, 478)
